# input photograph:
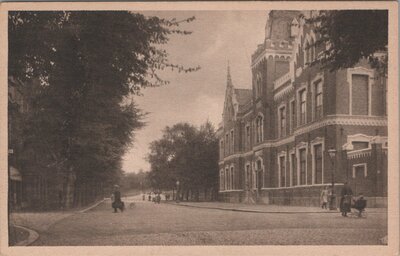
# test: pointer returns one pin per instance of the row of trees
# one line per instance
(87, 66)
(186, 154)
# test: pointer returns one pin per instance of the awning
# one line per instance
(15, 174)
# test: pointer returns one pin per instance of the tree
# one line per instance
(186, 154)
(88, 65)
(351, 35)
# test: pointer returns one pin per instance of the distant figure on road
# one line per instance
(345, 200)
(144, 196)
(150, 196)
(324, 197)
(167, 196)
(116, 200)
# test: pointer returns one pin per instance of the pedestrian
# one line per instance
(359, 204)
(345, 200)
(324, 197)
(116, 200)
(150, 196)
(144, 196)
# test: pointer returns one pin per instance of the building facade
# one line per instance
(275, 138)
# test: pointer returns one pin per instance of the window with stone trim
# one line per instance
(318, 164)
(247, 137)
(226, 144)
(221, 149)
(259, 128)
(293, 169)
(282, 121)
(360, 94)
(221, 180)
(292, 115)
(227, 179)
(303, 166)
(232, 180)
(232, 144)
(282, 171)
(318, 100)
(302, 106)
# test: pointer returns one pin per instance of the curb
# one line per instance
(257, 211)
(245, 210)
(92, 206)
(33, 236)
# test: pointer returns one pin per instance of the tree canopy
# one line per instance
(186, 154)
(84, 66)
(351, 35)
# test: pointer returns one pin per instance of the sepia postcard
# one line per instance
(199, 128)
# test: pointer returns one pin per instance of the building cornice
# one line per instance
(329, 120)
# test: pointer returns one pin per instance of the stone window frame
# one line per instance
(222, 149)
(359, 137)
(232, 141)
(360, 71)
(365, 165)
(280, 155)
(247, 131)
(221, 179)
(315, 142)
(258, 85)
(282, 106)
(292, 152)
(226, 177)
(227, 144)
(302, 88)
(319, 78)
(254, 172)
(301, 146)
(259, 137)
(232, 176)
(310, 53)
(247, 175)
(291, 123)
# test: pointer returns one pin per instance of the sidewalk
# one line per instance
(38, 222)
(262, 208)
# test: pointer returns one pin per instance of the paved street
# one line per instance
(166, 224)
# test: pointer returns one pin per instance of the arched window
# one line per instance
(306, 52)
(312, 50)
(259, 128)
(258, 85)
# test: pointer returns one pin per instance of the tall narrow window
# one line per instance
(282, 121)
(282, 166)
(232, 178)
(293, 169)
(307, 53)
(259, 129)
(248, 136)
(258, 85)
(303, 160)
(360, 94)
(232, 142)
(226, 144)
(221, 180)
(318, 164)
(302, 105)
(247, 177)
(318, 100)
(292, 115)
(226, 179)
(221, 150)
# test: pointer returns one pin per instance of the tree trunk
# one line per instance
(71, 178)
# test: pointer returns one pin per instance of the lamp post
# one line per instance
(332, 155)
(177, 191)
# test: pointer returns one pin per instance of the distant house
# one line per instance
(275, 138)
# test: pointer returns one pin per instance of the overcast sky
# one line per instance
(218, 36)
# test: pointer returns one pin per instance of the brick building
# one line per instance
(275, 137)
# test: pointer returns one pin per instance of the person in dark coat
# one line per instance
(116, 200)
(359, 204)
(345, 200)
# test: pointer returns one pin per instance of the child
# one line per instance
(324, 198)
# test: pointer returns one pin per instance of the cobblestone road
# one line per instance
(164, 224)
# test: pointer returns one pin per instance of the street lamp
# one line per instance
(177, 191)
(332, 155)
